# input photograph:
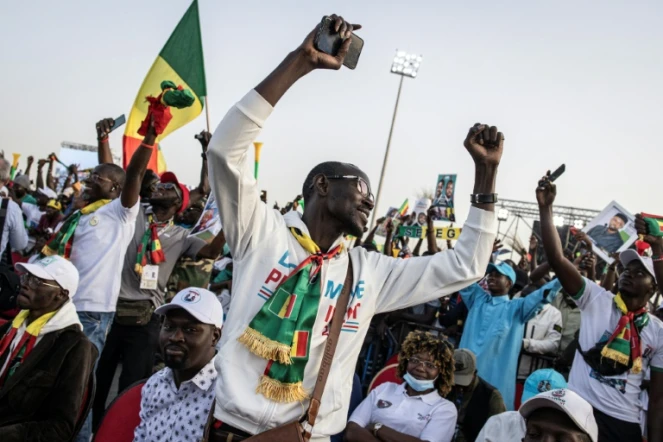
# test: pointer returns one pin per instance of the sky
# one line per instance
(567, 82)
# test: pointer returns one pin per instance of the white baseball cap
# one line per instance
(568, 402)
(53, 268)
(50, 193)
(630, 255)
(199, 303)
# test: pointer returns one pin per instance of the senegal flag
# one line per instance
(180, 61)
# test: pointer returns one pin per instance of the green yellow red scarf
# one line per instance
(624, 344)
(150, 245)
(62, 242)
(24, 346)
(281, 331)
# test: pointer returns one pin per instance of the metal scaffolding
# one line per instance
(526, 209)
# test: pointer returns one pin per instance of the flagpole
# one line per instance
(207, 112)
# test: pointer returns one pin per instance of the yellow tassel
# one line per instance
(266, 348)
(47, 251)
(615, 355)
(138, 269)
(281, 392)
(637, 366)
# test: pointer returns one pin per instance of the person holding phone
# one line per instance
(256, 391)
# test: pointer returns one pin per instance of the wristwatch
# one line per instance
(376, 427)
(483, 198)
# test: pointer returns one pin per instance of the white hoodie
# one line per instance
(542, 336)
(264, 252)
(65, 317)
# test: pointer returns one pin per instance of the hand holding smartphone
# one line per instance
(329, 41)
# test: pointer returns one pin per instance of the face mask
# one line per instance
(224, 275)
(418, 385)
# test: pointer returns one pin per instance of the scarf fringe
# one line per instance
(281, 392)
(47, 251)
(617, 356)
(637, 366)
(266, 348)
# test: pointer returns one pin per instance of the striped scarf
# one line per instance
(624, 344)
(61, 243)
(281, 331)
(24, 346)
(149, 249)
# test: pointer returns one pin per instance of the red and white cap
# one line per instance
(170, 177)
(199, 303)
(568, 402)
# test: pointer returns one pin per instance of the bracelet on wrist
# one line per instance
(103, 140)
(149, 146)
(483, 198)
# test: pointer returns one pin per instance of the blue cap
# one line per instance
(541, 381)
(505, 269)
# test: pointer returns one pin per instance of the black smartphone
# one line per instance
(556, 174)
(327, 40)
(119, 121)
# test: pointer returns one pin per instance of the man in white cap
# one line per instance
(554, 415)
(176, 401)
(619, 341)
(44, 347)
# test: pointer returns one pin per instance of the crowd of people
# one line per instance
(232, 337)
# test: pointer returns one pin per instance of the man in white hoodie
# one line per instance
(45, 359)
(289, 270)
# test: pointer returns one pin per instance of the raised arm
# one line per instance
(656, 244)
(31, 160)
(50, 179)
(203, 188)
(415, 281)
(430, 232)
(243, 215)
(40, 175)
(103, 127)
(568, 275)
(137, 167)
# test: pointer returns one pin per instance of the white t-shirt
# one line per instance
(616, 396)
(98, 250)
(32, 214)
(429, 417)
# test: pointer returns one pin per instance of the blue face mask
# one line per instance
(224, 275)
(418, 385)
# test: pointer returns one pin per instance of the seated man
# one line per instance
(476, 400)
(176, 401)
(495, 327)
(553, 415)
(45, 359)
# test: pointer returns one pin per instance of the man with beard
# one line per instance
(289, 270)
(619, 341)
(496, 324)
(609, 237)
(157, 245)
(176, 401)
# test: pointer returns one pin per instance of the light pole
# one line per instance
(405, 65)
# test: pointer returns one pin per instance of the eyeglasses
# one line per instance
(33, 282)
(95, 178)
(427, 365)
(170, 186)
(362, 185)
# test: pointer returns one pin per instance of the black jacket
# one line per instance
(42, 400)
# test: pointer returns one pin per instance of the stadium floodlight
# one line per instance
(578, 224)
(406, 64)
(558, 221)
(502, 214)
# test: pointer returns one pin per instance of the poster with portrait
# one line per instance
(209, 224)
(392, 214)
(421, 207)
(443, 198)
(612, 231)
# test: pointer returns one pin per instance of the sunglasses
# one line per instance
(170, 186)
(362, 185)
(33, 282)
(96, 178)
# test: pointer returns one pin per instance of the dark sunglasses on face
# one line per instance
(362, 185)
(170, 186)
(95, 178)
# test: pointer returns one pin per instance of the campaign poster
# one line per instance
(392, 214)
(612, 231)
(443, 198)
(421, 207)
(209, 224)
